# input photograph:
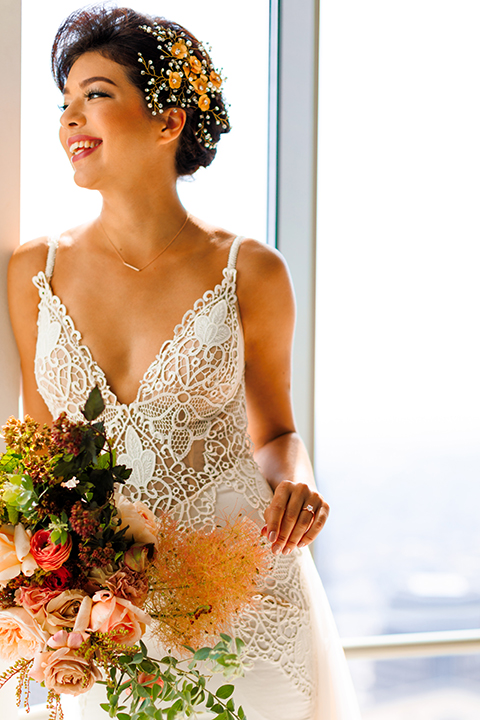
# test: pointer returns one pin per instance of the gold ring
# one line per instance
(310, 509)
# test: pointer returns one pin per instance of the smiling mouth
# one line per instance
(78, 147)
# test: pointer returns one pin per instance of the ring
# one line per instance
(310, 509)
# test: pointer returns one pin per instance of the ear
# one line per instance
(171, 123)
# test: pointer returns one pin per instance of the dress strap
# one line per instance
(52, 252)
(232, 256)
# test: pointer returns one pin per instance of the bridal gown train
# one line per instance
(185, 438)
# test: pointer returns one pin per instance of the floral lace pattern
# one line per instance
(185, 436)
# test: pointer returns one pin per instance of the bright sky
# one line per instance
(399, 227)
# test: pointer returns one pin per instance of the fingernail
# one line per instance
(287, 551)
(302, 544)
(276, 549)
(272, 537)
(263, 530)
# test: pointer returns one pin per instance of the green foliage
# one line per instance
(94, 405)
(169, 690)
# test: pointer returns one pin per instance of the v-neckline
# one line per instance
(203, 301)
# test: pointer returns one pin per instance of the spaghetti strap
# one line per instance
(232, 255)
(52, 252)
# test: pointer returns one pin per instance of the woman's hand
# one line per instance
(294, 517)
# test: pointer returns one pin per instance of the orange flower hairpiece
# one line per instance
(185, 79)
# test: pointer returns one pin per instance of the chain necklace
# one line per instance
(132, 267)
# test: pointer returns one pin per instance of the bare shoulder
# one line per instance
(263, 272)
(28, 259)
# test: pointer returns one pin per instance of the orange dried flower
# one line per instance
(195, 64)
(215, 79)
(200, 84)
(203, 102)
(202, 579)
(174, 80)
(179, 50)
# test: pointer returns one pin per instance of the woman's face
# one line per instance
(106, 129)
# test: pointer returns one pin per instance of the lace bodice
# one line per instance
(187, 425)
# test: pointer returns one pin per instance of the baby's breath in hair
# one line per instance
(185, 78)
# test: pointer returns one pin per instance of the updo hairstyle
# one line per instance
(115, 33)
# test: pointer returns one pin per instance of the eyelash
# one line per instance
(89, 96)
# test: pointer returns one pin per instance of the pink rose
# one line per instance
(64, 671)
(15, 555)
(140, 522)
(20, 634)
(48, 555)
(34, 597)
(124, 622)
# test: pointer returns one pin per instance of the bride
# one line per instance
(187, 330)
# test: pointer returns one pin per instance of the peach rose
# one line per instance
(61, 611)
(15, 555)
(140, 522)
(120, 618)
(20, 635)
(48, 555)
(65, 672)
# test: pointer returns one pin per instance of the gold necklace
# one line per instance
(132, 267)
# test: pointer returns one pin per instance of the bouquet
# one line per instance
(84, 572)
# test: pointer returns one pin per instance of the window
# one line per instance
(398, 391)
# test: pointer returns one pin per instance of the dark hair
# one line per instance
(115, 33)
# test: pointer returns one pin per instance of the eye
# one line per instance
(92, 94)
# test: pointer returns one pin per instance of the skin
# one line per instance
(142, 212)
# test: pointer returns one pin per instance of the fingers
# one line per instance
(294, 517)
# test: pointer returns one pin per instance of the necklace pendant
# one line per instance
(132, 267)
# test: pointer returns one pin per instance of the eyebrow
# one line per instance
(90, 80)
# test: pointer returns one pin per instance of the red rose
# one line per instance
(58, 580)
(48, 555)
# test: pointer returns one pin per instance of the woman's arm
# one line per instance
(268, 315)
(23, 299)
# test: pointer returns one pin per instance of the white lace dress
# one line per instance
(185, 438)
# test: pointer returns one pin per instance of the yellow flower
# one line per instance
(215, 79)
(200, 84)
(186, 69)
(195, 64)
(203, 102)
(179, 50)
(174, 80)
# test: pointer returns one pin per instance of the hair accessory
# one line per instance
(132, 267)
(187, 79)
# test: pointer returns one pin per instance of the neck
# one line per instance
(141, 224)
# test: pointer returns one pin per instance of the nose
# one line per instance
(72, 116)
